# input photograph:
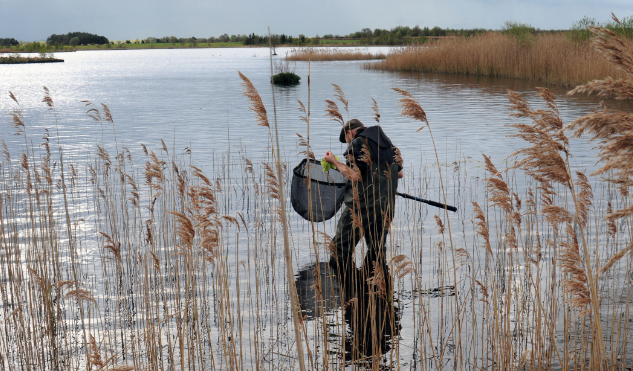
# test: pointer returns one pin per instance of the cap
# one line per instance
(350, 125)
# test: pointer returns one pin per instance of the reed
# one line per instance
(121, 263)
(550, 58)
(332, 54)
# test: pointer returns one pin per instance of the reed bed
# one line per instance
(332, 54)
(111, 265)
(548, 58)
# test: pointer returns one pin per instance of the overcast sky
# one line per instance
(31, 20)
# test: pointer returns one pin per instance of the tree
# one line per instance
(75, 41)
(9, 42)
(84, 38)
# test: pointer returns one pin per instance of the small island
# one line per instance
(20, 60)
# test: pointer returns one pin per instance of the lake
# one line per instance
(192, 100)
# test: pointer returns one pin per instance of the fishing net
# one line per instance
(327, 193)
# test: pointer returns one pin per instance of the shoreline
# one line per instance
(27, 60)
(96, 48)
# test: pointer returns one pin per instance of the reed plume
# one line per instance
(374, 107)
(256, 104)
(613, 130)
(410, 107)
(585, 197)
(577, 283)
(615, 258)
(113, 247)
(340, 95)
(17, 118)
(184, 229)
(439, 224)
(482, 227)
(543, 158)
(94, 355)
(333, 113)
(500, 192)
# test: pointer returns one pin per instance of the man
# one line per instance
(372, 169)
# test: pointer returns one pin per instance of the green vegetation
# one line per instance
(77, 38)
(286, 78)
(400, 35)
(14, 59)
(9, 42)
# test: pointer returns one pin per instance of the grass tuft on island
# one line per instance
(23, 60)
(332, 54)
(286, 78)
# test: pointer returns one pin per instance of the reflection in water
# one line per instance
(372, 318)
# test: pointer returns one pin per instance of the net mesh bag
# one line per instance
(327, 194)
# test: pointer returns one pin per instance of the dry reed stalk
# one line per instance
(612, 129)
(550, 58)
(412, 109)
(284, 219)
(544, 162)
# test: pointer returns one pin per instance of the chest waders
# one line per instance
(369, 210)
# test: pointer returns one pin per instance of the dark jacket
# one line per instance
(379, 175)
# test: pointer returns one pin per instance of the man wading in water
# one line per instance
(372, 171)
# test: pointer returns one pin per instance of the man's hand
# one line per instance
(329, 157)
(341, 167)
(401, 174)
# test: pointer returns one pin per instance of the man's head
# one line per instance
(349, 130)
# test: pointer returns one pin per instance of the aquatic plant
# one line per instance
(551, 58)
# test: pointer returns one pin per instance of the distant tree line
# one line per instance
(77, 38)
(9, 42)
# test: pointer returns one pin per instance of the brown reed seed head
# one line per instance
(184, 229)
(500, 192)
(584, 197)
(374, 107)
(14, 98)
(401, 266)
(302, 108)
(338, 93)
(107, 113)
(576, 282)
(440, 225)
(81, 295)
(272, 184)
(113, 247)
(482, 227)
(410, 107)
(365, 155)
(333, 113)
(95, 357)
(256, 104)
(543, 159)
(612, 228)
(613, 48)
(615, 258)
(47, 99)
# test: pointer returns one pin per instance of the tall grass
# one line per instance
(112, 265)
(331, 54)
(551, 58)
